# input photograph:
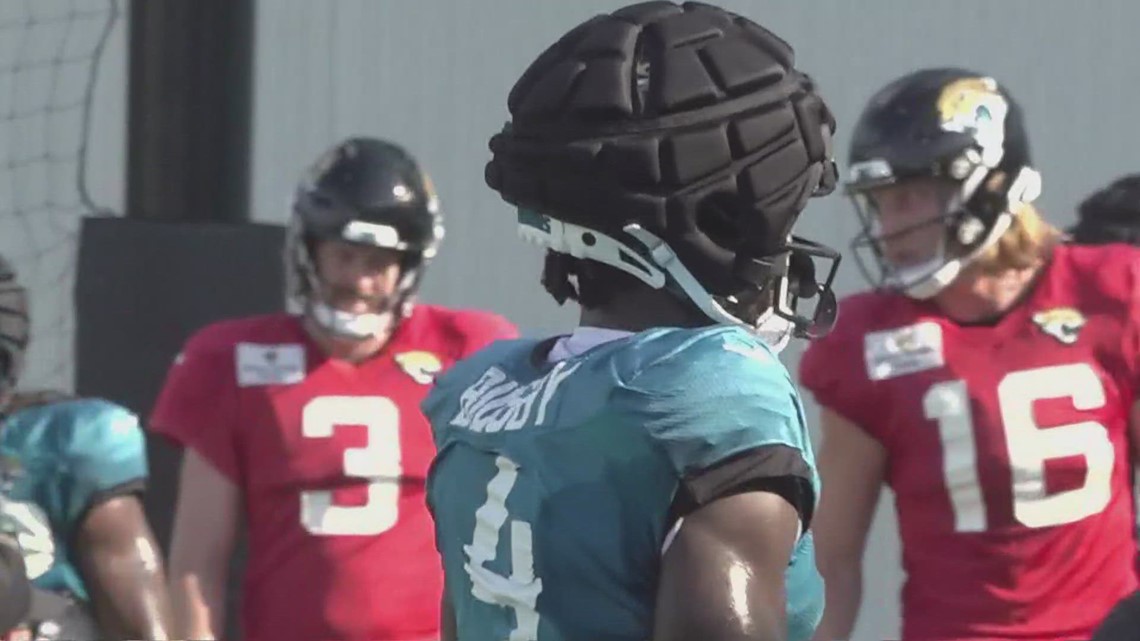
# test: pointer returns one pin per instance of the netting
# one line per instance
(49, 57)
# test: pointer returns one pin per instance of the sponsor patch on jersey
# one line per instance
(259, 364)
(1062, 323)
(905, 350)
(421, 366)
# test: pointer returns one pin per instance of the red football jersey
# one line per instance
(331, 459)
(1008, 447)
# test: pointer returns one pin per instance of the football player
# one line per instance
(987, 380)
(71, 472)
(307, 425)
(1110, 215)
(648, 476)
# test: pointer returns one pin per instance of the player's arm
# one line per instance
(197, 409)
(448, 631)
(121, 564)
(852, 466)
(205, 530)
(722, 578)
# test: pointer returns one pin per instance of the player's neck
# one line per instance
(641, 310)
(352, 351)
(981, 297)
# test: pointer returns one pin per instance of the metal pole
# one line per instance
(189, 110)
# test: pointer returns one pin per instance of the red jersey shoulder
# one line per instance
(460, 332)
(842, 350)
(841, 369)
(223, 336)
(1098, 273)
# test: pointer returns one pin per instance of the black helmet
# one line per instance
(679, 144)
(951, 124)
(365, 191)
(1110, 215)
(14, 330)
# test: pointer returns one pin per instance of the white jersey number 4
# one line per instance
(520, 590)
(1029, 446)
(378, 462)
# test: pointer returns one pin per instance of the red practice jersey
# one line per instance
(331, 459)
(1008, 447)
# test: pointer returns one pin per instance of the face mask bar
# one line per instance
(656, 265)
(305, 286)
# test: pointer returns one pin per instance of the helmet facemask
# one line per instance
(974, 214)
(309, 294)
(768, 304)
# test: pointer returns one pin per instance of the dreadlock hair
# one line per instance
(590, 283)
(1110, 215)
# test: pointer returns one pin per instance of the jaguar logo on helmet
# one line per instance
(975, 106)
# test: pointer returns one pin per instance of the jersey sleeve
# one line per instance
(1130, 350)
(483, 328)
(834, 371)
(106, 455)
(197, 407)
(726, 414)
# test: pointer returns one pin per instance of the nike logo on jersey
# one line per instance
(495, 402)
(905, 350)
(1062, 323)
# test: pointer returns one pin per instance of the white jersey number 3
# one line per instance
(1029, 446)
(378, 462)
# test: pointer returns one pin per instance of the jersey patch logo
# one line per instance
(259, 365)
(421, 366)
(905, 350)
(1062, 323)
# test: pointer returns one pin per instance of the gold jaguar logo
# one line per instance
(976, 106)
(1062, 323)
(421, 366)
(964, 102)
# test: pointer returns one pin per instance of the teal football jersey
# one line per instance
(553, 483)
(56, 461)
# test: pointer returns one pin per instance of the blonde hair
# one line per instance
(1028, 242)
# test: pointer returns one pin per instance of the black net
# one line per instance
(49, 62)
